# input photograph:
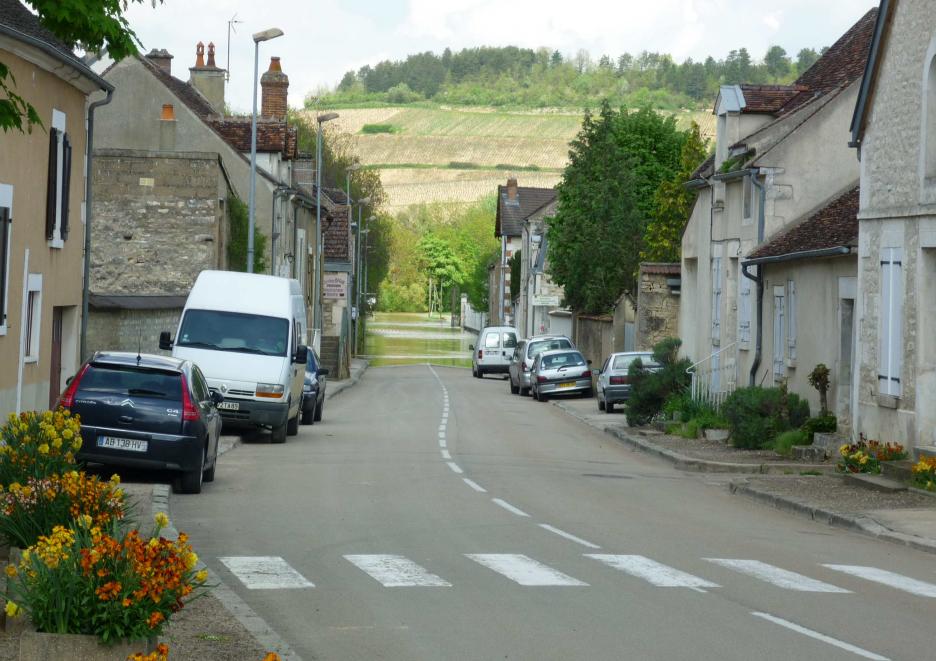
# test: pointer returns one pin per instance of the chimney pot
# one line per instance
(274, 86)
(200, 55)
(168, 112)
(211, 54)
(161, 58)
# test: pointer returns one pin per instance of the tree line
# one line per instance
(542, 78)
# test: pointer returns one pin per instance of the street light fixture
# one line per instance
(265, 35)
(320, 119)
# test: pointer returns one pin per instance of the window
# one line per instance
(779, 333)
(235, 332)
(33, 313)
(791, 321)
(716, 301)
(492, 341)
(891, 333)
(6, 226)
(59, 178)
(744, 310)
(510, 340)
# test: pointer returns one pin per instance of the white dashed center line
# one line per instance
(510, 508)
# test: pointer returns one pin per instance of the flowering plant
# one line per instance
(924, 473)
(34, 444)
(866, 456)
(88, 581)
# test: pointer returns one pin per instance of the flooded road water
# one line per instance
(399, 338)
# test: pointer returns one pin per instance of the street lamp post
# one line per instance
(266, 35)
(319, 269)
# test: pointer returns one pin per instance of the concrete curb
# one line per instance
(262, 632)
(341, 386)
(861, 524)
(687, 463)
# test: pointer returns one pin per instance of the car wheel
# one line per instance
(609, 407)
(308, 415)
(514, 390)
(524, 392)
(278, 434)
(292, 425)
(191, 481)
(474, 372)
(542, 397)
(588, 394)
(208, 474)
(319, 410)
(601, 404)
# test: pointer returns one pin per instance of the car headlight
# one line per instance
(273, 390)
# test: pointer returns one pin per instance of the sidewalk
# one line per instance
(812, 490)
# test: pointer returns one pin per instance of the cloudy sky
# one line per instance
(325, 38)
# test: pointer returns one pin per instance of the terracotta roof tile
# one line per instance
(769, 98)
(661, 268)
(335, 234)
(272, 135)
(834, 225)
(845, 60)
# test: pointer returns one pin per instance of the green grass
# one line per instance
(379, 128)
(460, 165)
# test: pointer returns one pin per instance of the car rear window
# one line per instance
(548, 345)
(623, 362)
(571, 359)
(127, 381)
(491, 341)
(510, 340)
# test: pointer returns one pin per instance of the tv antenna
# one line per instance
(231, 23)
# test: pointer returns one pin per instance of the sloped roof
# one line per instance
(661, 268)
(769, 98)
(845, 60)
(21, 24)
(834, 225)
(512, 214)
(706, 169)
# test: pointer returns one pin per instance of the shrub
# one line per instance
(403, 94)
(680, 406)
(652, 386)
(823, 424)
(819, 379)
(757, 415)
(37, 445)
(689, 430)
(379, 128)
(924, 473)
(89, 581)
(783, 444)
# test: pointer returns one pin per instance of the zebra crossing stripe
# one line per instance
(395, 571)
(265, 573)
(652, 571)
(524, 570)
(888, 578)
(782, 578)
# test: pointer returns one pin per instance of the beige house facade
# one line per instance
(894, 131)
(42, 193)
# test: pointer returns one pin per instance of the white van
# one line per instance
(496, 345)
(246, 332)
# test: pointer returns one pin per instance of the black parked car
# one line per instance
(147, 411)
(313, 389)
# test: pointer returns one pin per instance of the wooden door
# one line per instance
(55, 367)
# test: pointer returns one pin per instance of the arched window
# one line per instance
(929, 125)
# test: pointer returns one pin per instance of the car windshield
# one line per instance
(311, 363)
(548, 345)
(624, 362)
(128, 381)
(571, 359)
(234, 331)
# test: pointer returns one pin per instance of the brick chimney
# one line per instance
(208, 78)
(512, 191)
(275, 88)
(161, 58)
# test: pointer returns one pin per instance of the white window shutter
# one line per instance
(891, 331)
(791, 318)
(779, 328)
(744, 310)
(716, 300)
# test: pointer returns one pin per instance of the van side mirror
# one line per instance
(216, 397)
(323, 371)
(302, 354)
(470, 347)
(165, 341)
(588, 361)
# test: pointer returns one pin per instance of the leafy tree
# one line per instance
(91, 24)
(441, 265)
(805, 59)
(674, 203)
(606, 198)
(237, 242)
(778, 64)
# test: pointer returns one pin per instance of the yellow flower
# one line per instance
(11, 570)
(44, 449)
(115, 479)
(863, 460)
(85, 520)
(68, 434)
(202, 576)
(12, 610)
(161, 519)
(191, 560)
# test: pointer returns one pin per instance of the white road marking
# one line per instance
(446, 455)
(569, 536)
(395, 571)
(442, 428)
(819, 636)
(442, 443)
(474, 485)
(782, 578)
(510, 508)
(265, 572)
(455, 468)
(441, 434)
(523, 569)
(653, 572)
(888, 578)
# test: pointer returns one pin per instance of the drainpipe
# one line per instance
(759, 279)
(86, 285)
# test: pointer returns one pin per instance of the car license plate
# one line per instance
(229, 406)
(567, 384)
(131, 444)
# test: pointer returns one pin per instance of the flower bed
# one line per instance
(924, 473)
(866, 456)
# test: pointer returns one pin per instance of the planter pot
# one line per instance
(716, 435)
(37, 646)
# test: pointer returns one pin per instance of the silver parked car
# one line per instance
(560, 372)
(521, 364)
(613, 382)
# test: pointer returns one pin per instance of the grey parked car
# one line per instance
(521, 364)
(613, 382)
(560, 372)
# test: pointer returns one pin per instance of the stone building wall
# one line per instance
(128, 330)
(657, 305)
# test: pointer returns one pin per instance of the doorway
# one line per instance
(55, 366)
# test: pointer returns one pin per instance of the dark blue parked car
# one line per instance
(313, 389)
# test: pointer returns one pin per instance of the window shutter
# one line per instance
(716, 300)
(744, 311)
(4, 249)
(66, 183)
(52, 192)
(791, 317)
(891, 333)
(778, 339)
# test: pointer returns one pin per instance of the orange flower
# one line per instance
(108, 591)
(155, 619)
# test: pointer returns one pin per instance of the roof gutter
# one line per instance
(802, 254)
(49, 49)
(733, 175)
(866, 92)
(761, 222)
(695, 184)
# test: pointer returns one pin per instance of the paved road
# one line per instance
(434, 516)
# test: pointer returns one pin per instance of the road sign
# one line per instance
(335, 286)
(544, 301)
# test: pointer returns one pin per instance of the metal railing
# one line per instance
(713, 378)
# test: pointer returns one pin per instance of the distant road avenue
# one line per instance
(433, 516)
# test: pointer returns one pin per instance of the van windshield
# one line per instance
(234, 331)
